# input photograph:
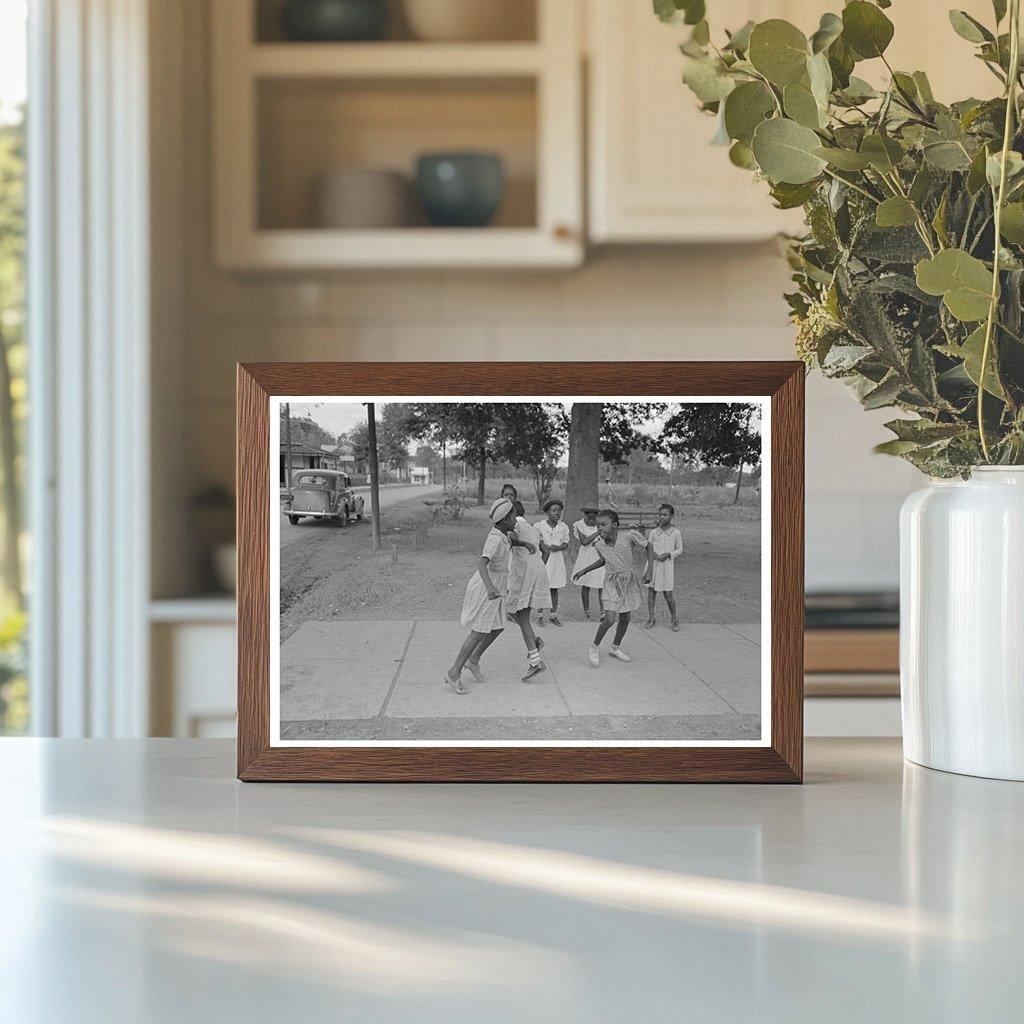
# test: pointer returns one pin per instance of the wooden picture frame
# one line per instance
(778, 757)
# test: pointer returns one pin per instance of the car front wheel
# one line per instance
(294, 520)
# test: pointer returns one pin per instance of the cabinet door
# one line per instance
(654, 175)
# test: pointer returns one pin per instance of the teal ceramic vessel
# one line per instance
(460, 189)
(333, 21)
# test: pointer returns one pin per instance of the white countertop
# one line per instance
(142, 885)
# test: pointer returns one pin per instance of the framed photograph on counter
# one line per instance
(520, 571)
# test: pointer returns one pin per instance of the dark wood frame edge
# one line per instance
(258, 761)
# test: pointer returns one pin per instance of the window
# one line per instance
(14, 552)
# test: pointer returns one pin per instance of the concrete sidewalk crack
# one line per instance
(694, 672)
(398, 671)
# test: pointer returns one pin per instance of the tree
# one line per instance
(393, 436)
(718, 434)
(474, 428)
(584, 452)
(607, 431)
(358, 439)
(309, 432)
(12, 349)
(535, 438)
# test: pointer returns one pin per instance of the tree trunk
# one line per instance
(11, 491)
(584, 449)
(739, 484)
(482, 469)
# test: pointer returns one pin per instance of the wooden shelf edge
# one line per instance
(392, 60)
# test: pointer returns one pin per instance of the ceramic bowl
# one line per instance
(334, 20)
(460, 189)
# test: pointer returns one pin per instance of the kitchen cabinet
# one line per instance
(653, 175)
(287, 113)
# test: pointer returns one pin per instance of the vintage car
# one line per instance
(321, 494)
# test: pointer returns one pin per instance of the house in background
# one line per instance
(420, 475)
(305, 456)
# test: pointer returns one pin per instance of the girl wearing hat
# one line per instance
(554, 540)
(483, 609)
(586, 533)
(528, 587)
(614, 553)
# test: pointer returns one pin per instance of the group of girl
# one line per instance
(522, 568)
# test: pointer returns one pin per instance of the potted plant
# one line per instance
(909, 285)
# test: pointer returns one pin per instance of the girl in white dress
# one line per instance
(528, 587)
(554, 542)
(586, 533)
(667, 544)
(483, 609)
(614, 551)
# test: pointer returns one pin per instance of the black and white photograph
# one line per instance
(450, 572)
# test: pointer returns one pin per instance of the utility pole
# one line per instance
(444, 450)
(287, 446)
(371, 433)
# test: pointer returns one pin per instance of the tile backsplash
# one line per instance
(717, 302)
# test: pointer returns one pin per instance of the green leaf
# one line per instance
(939, 220)
(801, 106)
(820, 76)
(947, 156)
(883, 153)
(895, 447)
(921, 186)
(976, 174)
(999, 6)
(701, 33)
(676, 12)
(739, 41)
(844, 159)
(963, 281)
(708, 81)
(785, 152)
(971, 352)
(968, 28)
(841, 60)
(1012, 224)
(858, 91)
(896, 212)
(1014, 169)
(923, 431)
(831, 27)
(789, 197)
(885, 394)
(778, 50)
(745, 108)
(742, 155)
(924, 88)
(866, 29)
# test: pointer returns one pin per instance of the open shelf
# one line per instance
(286, 114)
(308, 127)
(519, 17)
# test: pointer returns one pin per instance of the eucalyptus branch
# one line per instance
(1000, 198)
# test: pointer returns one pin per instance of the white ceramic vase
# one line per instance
(962, 624)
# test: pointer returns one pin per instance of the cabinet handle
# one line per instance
(563, 232)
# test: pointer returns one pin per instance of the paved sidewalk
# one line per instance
(383, 679)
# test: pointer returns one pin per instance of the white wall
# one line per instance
(655, 303)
